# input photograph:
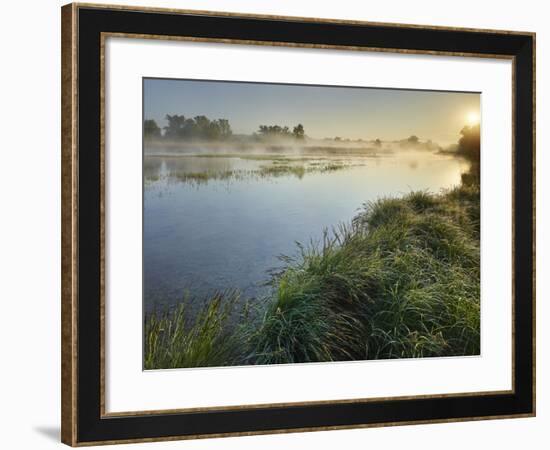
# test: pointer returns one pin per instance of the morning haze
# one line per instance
(325, 111)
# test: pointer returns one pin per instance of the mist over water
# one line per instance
(213, 221)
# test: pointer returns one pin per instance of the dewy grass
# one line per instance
(401, 281)
(173, 340)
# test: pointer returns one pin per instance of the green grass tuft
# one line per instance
(173, 340)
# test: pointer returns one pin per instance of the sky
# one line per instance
(324, 111)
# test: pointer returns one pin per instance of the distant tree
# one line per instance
(274, 131)
(197, 128)
(175, 127)
(225, 128)
(413, 139)
(469, 147)
(378, 143)
(150, 129)
(469, 142)
(298, 131)
(203, 128)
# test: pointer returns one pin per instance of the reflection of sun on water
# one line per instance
(472, 118)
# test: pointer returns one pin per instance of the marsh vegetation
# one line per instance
(399, 279)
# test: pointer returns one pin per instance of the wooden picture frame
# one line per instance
(84, 419)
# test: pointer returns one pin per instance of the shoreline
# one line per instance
(327, 305)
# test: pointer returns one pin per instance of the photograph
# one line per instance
(294, 223)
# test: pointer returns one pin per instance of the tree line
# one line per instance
(180, 127)
(271, 131)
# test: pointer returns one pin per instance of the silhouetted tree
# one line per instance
(298, 131)
(199, 127)
(469, 142)
(150, 129)
(225, 128)
(274, 131)
(469, 147)
(175, 126)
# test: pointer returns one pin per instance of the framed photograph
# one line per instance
(281, 224)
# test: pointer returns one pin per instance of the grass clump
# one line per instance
(282, 170)
(402, 282)
(173, 340)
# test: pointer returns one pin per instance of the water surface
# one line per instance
(212, 223)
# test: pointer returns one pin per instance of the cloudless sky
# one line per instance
(325, 111)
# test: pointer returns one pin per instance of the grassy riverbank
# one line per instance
(402, 280)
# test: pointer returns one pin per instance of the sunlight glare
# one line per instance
(472, 118)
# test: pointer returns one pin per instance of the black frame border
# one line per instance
(91, 425)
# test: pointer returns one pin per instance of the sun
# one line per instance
(472, 118)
